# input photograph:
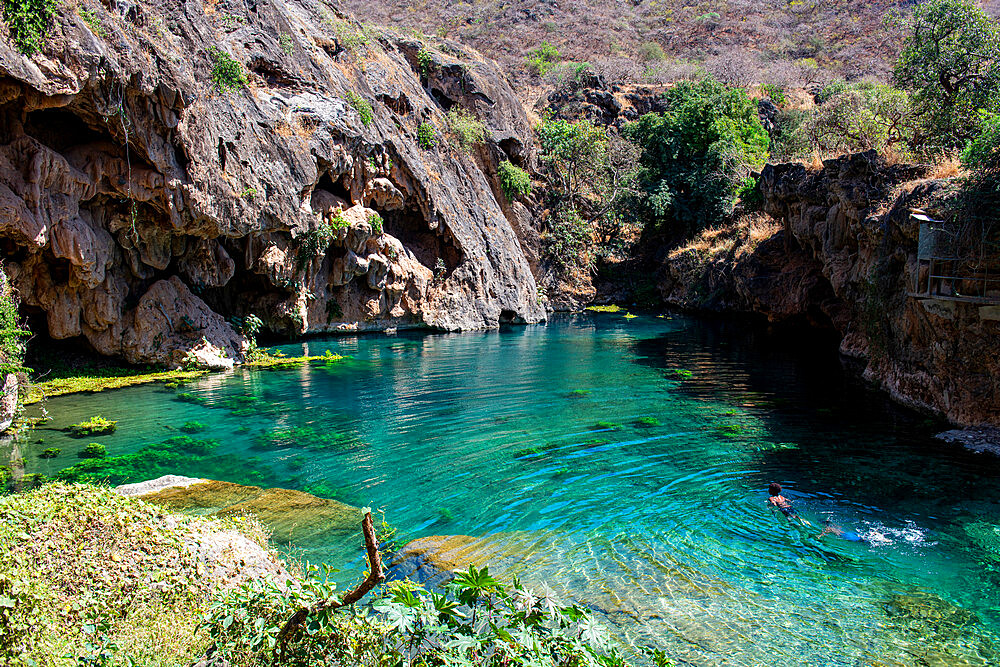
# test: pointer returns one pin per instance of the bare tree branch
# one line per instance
(375, 576)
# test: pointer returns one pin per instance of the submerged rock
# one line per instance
(434, 560)
(291, 516)
(984, 439)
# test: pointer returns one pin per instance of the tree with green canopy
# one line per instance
(697, 155)
(951, 65)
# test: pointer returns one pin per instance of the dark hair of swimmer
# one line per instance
(774, 489)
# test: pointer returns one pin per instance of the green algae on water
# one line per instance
(180, 455)
(93, 427)
(94, 450)
(647, 422)
(605, 426)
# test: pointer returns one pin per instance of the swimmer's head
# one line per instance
(774, 489)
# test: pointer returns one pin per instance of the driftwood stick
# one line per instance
(375, 576)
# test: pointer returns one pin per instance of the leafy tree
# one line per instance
(951, 64)
(592, 172)
(862, 116)
(696, 156)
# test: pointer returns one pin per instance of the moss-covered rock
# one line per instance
(291, 516)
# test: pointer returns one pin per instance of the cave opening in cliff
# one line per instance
(513, 149)
(430, 249)
(334, 187)
(443, 100)
(60, 129)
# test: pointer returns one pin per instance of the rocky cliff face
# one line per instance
(846, 259)
(143, 205)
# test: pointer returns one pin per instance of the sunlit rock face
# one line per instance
(846, 259)
(142, 206)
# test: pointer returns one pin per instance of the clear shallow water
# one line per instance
(661, 526)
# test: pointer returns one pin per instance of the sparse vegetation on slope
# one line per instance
(739, 42)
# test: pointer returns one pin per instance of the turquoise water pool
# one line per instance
(627, 460)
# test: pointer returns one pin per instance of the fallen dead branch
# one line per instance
(375, 576)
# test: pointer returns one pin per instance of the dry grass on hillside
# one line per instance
(740, 41)
(739, 237)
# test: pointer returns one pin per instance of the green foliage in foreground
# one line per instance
(514, 181)
(696, 156)
(28, 22)
(91, 577)
(475, 621)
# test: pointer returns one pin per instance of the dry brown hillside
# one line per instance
(779, 41)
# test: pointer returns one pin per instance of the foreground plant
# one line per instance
(90, 577)
(476, 620)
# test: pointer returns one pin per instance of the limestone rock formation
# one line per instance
(846, 259)
(188, 163)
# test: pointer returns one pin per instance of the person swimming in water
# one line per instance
(783, 504)
(830, 529)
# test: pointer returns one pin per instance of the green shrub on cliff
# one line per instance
(861, 116)
(514, 181)
(227, 72)
(696, 156)
(362, 106)
(466, 129)
(28, 22)
(426, 137)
